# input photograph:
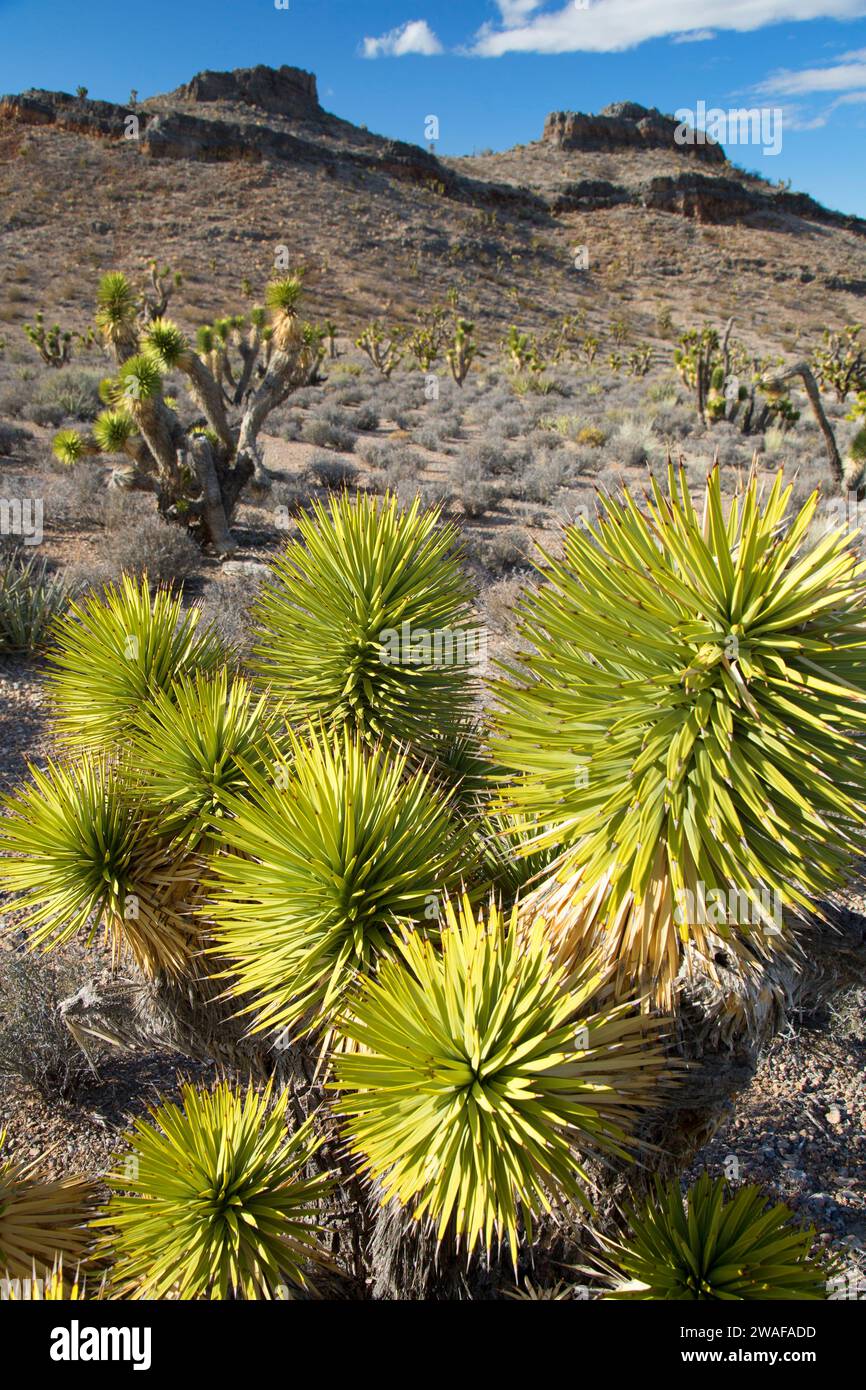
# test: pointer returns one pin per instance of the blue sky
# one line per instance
(490, 70)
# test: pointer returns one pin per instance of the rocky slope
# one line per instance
(217, 174)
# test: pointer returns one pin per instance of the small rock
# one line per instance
(833, 1115)
(254, 568)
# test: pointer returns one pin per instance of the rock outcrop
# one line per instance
(623, 125)
(282, 91)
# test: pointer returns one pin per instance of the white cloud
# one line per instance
(415, 36)
(696, 36)
(610, 26)
(849, 71)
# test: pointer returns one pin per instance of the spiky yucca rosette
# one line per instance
(366, 622)
(689, 724)
(322, 861)
(483, 1079)
(190, 747)
(716, 1243)
(77, 857)
(113, 651)
(214, 1199)
(41, 1219)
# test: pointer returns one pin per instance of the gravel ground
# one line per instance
(23, 724)
(799, 1130)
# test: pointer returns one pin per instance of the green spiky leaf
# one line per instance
(366, 621)
(715, 1244)
(113, 651)
(326, 857)
(483, 1078)
(213, 1200)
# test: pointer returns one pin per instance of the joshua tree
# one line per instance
(198, 472)
(384, 352)
(53, 344)
(728, 385)
(840, 364)
(462, 351)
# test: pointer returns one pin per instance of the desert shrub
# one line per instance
(13, 441)
(591, 436)
(543, 478)
(495, 458)
(76, 495)
(364, 418)
(432, 437)
(15, 399)
(353, 393)
(326, 435)
(227, 607)
(332, 472)
(30, 600)
(292, 428)
(396, 461)
(138, 541)
(673, 421)
(633, 443)
(507, 549)
(68, 393)
(476, 495)
(36, 1045)
(500, 599)
(428, 494)
(541, 441)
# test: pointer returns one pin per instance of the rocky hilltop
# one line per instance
(216, 173)
(282, 91)
(217, 117)
(623, 125)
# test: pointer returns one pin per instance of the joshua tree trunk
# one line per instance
(213, 513)
(804, 371)
(284, 374)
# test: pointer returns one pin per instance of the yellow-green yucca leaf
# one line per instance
(139, 378)
(69, 447)
(115, 650)
(52, 1285)
(116, 303)
(214, 1199)
(78, 855)
(715, 1244)
(165, 342)
(189, 748)
(112, 431)
(484, 1077)
(283, 295)
(327, 856)
(365, 622)
(41, 1219)
(687, 723)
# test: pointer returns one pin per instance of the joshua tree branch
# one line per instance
(804, 371)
